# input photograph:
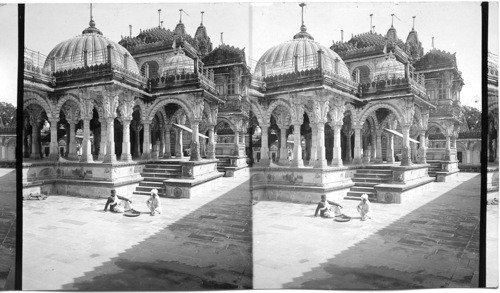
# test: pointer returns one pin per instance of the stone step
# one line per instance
(357, 195)
(155, 184)
(374, 171)
(148, 193)
(157, 170)
(159, 175)
(366, 184)
(369, 175)
(363, 189)
(159, 179)
(370, 180)
(164, 166)
(148, 189)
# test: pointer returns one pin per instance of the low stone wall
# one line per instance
(408, 181)
(94, 180)
(302, 185)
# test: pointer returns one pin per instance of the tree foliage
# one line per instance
(7, 114)
(472, 117)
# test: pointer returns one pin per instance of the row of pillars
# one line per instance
(107, 146)
(318, 150)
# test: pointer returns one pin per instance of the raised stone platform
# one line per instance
(301, 185)
(94, 180)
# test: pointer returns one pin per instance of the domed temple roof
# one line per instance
(70, 53)
(178, 64)
(280, 59)
(390, 68)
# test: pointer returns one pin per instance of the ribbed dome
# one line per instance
(390, 68)
(280, 59)
(178, 64)
(70, 53)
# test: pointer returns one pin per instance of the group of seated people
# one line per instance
(121, 204)
(330, 209)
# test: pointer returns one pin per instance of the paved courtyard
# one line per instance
(431, 242)
(7, 228)
(200, 243)
(492, 246)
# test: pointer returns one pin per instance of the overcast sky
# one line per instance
(8, 53)
(455, 26)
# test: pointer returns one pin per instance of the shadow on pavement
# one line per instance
(209, 249)
(7, 228)
(436, 245)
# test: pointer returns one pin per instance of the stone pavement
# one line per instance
(431, 242)
(492, 246)
(200, 243)
(7, 228)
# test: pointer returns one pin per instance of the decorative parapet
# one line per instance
(392, 84)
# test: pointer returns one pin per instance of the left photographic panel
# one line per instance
(126, 186)
(8, 104)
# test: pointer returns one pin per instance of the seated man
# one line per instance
(364, 208)
(117, 206)
(328, 209)
(154, 203)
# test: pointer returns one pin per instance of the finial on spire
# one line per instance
(202, 17)
(373, 29)
(302, 6)
(413, 27)
(222, 38)
(392, 21)
(91, 12)
(342, 35)
(433, 43)
(130, 27)
(371, 16)
(159, 17)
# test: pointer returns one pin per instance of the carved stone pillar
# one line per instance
(168, 150)
(283, 149)
(137, 147)
(264, 148)
(103, 145)
(195, 143)
(313, 156)
(179, 153)
(146, 144)
(448, 148)
(86, 144)
(297, 147)
(453, 142)
(211, 143)
(348, 155)
(378, 158)
(126, 155)
(161, 151)
(110, 156)
(337, 150)
(422, 151)
(390, 148)
(54, 155)
(236, 143)
(406, 159)
(373, 143)
(35, 139)
(357, 146)
(467, 156)
(72, 155)
(321, 156)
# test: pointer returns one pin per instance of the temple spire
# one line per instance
(159, 18)
(302, 6)
(371, 24)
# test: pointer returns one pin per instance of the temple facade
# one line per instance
(164, 109)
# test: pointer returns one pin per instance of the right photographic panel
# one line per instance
(366, 145)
